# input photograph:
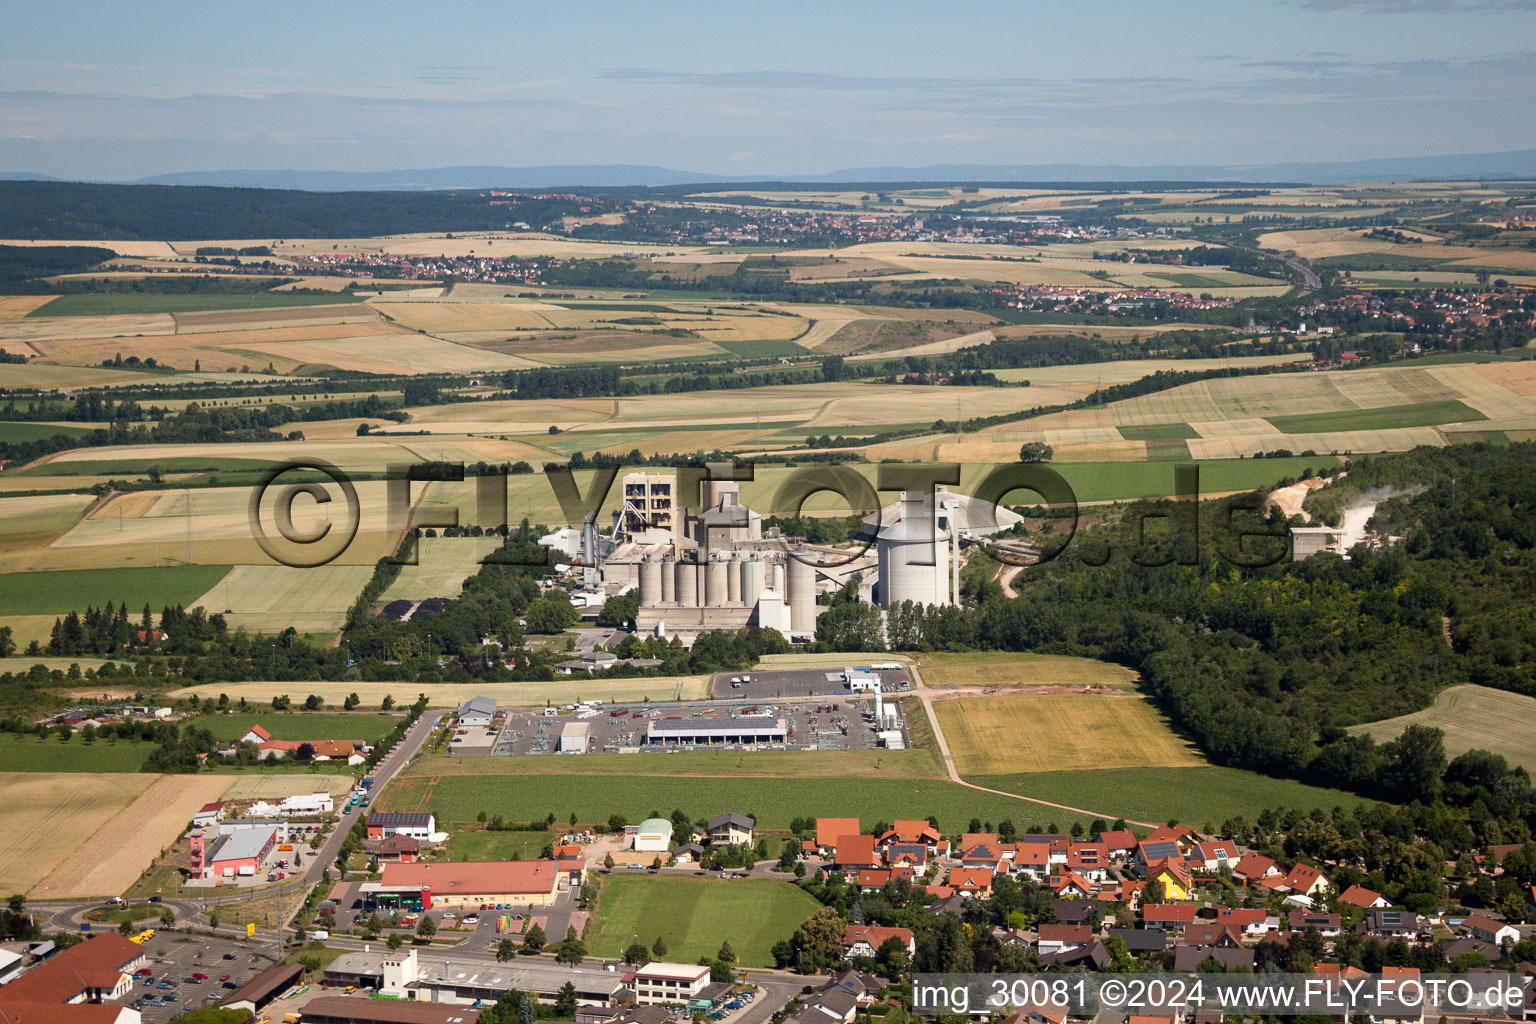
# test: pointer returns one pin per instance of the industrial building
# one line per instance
(706, 731)
(661, 982)
(477, 712)
(420, 825)
(231, 854)
(715, 568)
(574, 738)
(471, 884)
(410, 974)
(1307, 541)
(654, 836)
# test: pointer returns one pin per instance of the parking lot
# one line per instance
(799, 683)
(174, 959)
(843, 724)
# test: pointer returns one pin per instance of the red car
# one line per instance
(200, 977)
(223, 977)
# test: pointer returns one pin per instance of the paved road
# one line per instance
(189, 910)
(1310, 281)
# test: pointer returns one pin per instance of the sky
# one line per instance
(117, 91)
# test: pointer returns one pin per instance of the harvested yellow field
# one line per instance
(442, 566)
(20, 305)
(275, 787)
(259, 319)
(1347, 442)
(1043, 732)
(1472, 718)
(131, 505)
(933, 348)
(46, 376)
(445, 695)
(441, 317)
(109, 329)
(116, 854)
(143, 250)
(270, 598)
(49, 815)
(1000, 669)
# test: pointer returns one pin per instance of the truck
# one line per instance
(85, 928)
(367, 782)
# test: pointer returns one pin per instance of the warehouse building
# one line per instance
(654, 836)
(477, 712)
(745, 729)
(264, 988)
(226, 856)
(574, 738)
(471, 884)
(360, 1010)
(410, 974)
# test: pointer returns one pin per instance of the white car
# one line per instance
(448, 917)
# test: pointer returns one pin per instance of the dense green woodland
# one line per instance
(50, 209)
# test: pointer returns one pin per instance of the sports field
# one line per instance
(694, 915)
(991, 668)
(1472, 717)
(1197, 795)
(1042, 732)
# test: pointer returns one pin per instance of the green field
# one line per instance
(18, 433)
(1424, 414)
(694, 915)
(482, 845)
(30, 754)
(111, 467)
(54, 593)
(772, 801)
(1195, 795)
(109, 304)
(1159, 432)
(765, 349)
(302, 725)
(1125, 481)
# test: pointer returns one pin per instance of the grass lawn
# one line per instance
(1424, 414)
(695, 915)
(772, 801)
(137, 912)
(480, 844)
(302, 725)
(54, 593)
(108, 304)
(999, 668)
(1159, 432)
(30, 754)
(1196, 795)
(17, 433)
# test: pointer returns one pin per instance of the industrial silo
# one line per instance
(668, 581)
(751, 580)
(715, 573)
(733, 581)
(913, 556)
(688, 584)
(650, 583)
(802, 596)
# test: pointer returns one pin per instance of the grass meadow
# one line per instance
(695, 915)
(55, 593)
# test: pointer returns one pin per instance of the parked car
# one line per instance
(229, 956)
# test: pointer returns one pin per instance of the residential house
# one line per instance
(1090, 860)
(1327, 925)
(1149, 853)
(1215, 855)
(1177, 882)
(1141, 941)
(1182, 835)
(1058, 938)
(866, 940)
(1069, 911)
(1032, 859)
(1093, 956)
(973, 882)
(830, 830)
(1189, 958)
(1120, 844)
(731, 829)
(1365, 899)
(1174, 917)
(1253, 868)
(915, 832)
(1489, 930)
(689, 853)
(913, 855)
(1213, 933)
(1252, 922)
(852, 852)
(1394, 924)
(1072, 886)
(400, 848)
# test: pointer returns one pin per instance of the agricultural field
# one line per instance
(131, 303)
(270, 598)
(31, 754)
(442, 566)
(694, 915)
(483, 844)
(1387, 418)
(809, 764)
(1013, 669)
(301, 725)
(49, 816)
(256, 786)
(1042, 732)
(109, 859)
(31, 522)
(1198, 795)
(54, 593)
(1472, 717)
(444, 695)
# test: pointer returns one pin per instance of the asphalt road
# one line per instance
(1311, 282)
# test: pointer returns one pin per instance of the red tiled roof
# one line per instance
(855, 849)
(97, 963)
(1119, 841)
(829, 830)
(1359, 896)
(874, 935)
(1182, 913)
(473, 878)
(970, 878)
